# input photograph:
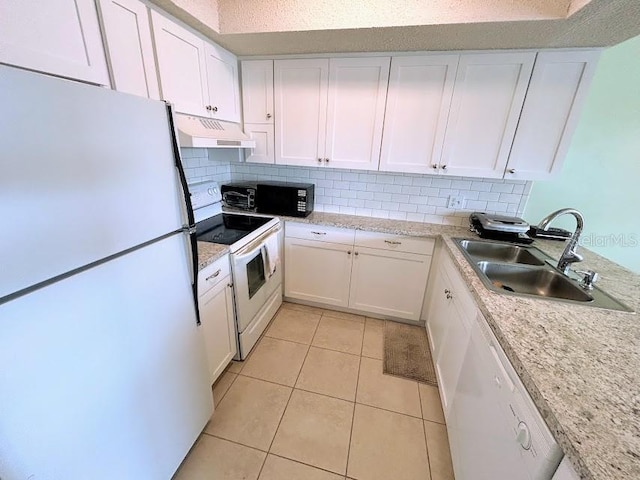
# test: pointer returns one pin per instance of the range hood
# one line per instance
(200, 132)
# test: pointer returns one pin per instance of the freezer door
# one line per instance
(86, 173)
(104, 374)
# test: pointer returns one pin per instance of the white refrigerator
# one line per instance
(102, 369)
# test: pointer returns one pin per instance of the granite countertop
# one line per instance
(581, 365)
(209, 253)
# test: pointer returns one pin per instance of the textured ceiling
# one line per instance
(261, 16)
(275, 27)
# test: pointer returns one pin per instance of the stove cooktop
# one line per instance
(227, 228)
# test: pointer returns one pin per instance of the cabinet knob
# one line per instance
(268, 115)
(443, 167)
(434, 166)
(356, 254)
(208, 107)
(326, 160)
(348, 252)
(215, 109)
(319, 160)
(512, 171)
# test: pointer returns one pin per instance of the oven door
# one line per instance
(252, 283)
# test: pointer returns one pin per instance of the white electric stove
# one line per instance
(255, 245)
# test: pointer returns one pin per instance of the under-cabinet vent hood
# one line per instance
(199, 132)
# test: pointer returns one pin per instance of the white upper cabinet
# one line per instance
(257, 91)
(300, 110)
(60, 37)
(330, 112)
(198, 77)
(355, 111)
(182, 66)
(558, 88)
(263, 135)
(418, 102)
(487, 100)
(129, 46)
(222, 83)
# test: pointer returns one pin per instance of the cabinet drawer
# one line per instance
(213, 274)
(399, 243)
(320, 233)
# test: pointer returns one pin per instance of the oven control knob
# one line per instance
(524, 436)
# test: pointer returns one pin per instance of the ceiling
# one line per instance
(275, 27)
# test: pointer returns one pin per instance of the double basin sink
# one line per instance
(527, 271)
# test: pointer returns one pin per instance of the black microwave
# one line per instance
(284, 198)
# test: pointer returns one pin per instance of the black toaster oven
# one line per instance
(239, 195)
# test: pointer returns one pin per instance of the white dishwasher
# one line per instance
(495, 431)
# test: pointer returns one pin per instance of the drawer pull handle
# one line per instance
(319, 233)
(214, 275)
(392, 242)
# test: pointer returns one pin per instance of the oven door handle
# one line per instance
(256, 244)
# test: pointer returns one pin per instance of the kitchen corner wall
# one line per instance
(418, 198)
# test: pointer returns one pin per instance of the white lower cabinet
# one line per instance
(336, 268)
(317, 271)
(215, 301)
(494, 429)
(388, 283)
(448, 327)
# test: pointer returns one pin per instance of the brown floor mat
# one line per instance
(407, 353)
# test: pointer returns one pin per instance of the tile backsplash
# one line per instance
(202, 165)
(403, 196)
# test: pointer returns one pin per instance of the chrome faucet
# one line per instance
(569, 255)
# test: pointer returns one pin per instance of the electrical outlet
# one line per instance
(455, 202)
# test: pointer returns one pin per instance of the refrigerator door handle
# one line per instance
(190, 227)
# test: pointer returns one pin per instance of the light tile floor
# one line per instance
(311, 403)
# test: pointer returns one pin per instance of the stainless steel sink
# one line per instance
(528, 271)
(542, 282)
(500, 252)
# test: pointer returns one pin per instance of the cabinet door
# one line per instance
(130, 47)
(355, 111)
(389, 283)
(218, 327)
(263, 136)
(418, 103)
(451, 353)
(61, 37)
(439, 310)
(557, 91)
(317, 271)
(487, 99)
(257, 91)
(300, 92)
(222, 83)
(181, 65)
